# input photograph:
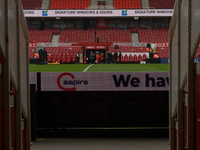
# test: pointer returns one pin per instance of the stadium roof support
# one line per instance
(15, 75)
(184, 38)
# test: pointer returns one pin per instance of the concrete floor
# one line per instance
(101, 144)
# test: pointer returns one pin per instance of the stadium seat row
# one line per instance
(80, 4)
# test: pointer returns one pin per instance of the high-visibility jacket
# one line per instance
(148, 50)
(155, 56)
(36, 55)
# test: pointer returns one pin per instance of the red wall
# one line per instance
(197, 114)
(1, 110)
(12, 113)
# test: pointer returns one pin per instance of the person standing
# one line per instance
(40, 56)
(115, 57)
(36, 56)
(106, 57)
(120, 55)
(116, 47)
(101, 58)
(148, 46)
(91, 58)
(77, 57)
(81, 58)
(106, 40)
(97, 57)
(44, 55)
(97, 39)
(109, 57)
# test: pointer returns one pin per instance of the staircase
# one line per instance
(55, 39)
(145, 4)
(109, 4)
(94, 4)
(135, 39)
(45, 4)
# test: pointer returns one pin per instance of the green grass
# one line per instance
(100, 68)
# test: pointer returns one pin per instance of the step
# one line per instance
(145, 4)
(55, 39)
(45, 4)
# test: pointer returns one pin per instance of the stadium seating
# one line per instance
(31, 52)
(114, 36)
(69, 4)
(153, 36)
(43, 36)
(31, 4)
(62, 54)
(87, 36)
(54, 30)
(160, 4)
(127, 4)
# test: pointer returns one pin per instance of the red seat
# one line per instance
(122, 58)
(73, 58)
(135, 58)
(130, 58)
(144, 56)
(63, 60)
(126, 58)
(139, 58)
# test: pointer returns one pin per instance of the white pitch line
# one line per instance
(88, 67)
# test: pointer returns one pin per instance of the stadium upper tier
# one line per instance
(69, 4)
(31, 4)
(160, 4)
(115, 35)
(127, 4)
(85, 4)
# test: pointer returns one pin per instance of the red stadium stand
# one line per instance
(153, 36)
(54, 30)
(127, 4)
(77, 36)
(31, 4)
(69, 4)
(160, 4)
(114, 36)
(36, 36)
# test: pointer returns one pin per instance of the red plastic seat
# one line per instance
(135, 58)
(139, 58)
(130, 58)
(126, 58)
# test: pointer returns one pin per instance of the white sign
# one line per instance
(100, 13)
(105, 81)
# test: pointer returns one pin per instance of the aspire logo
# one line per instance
(67, 79)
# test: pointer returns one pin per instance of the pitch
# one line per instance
(99, 68)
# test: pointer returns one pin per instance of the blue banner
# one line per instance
(164, 60)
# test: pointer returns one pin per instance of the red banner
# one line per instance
(101, 23)
(95, 47)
